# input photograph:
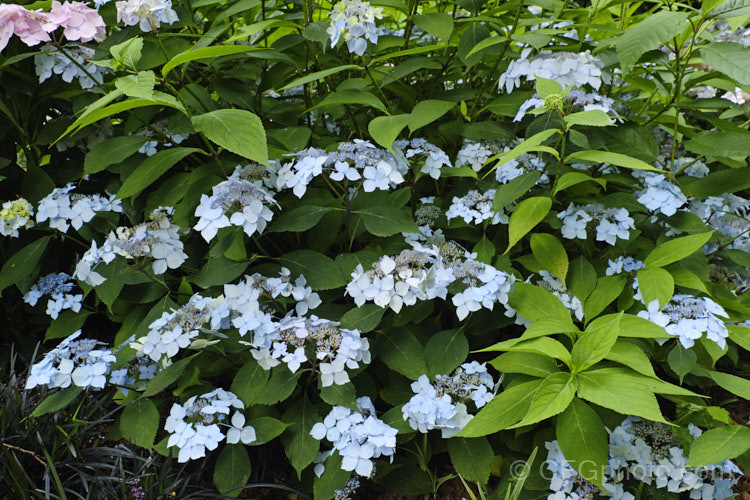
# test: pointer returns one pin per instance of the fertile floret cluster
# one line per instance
(14, 215)
(355, 21)
(358, 436)
(195, 425)
(566, 68)
(237, 201)
(442, 404)
(50, 61)
(613, 223)
(660, 195)
(158, 239)
(575, 98)
(79, 362)
(58, 286)
(475, 208)
(688, 318)
(63, 208)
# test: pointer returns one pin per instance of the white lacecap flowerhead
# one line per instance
(15, 215)
(354, 20)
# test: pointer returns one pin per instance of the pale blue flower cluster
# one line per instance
(434, 157)
(566, 68)
(51, 61)
(63, 209)
(728, 214)
(613, 223)
(158, 239)
(358, 436)
(135, 374)
(58, 286)
(195, 425)
(237, 201)
(688, 318)
(15, 215)
(476, 207)
(148, 14)
(355, 21)
(476, 154)
(442, 404)
(623, 264)
(77, 362)
(659, 194)
(651, 453)
(484, 286)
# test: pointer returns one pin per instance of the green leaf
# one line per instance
(402, 353)
(504, 410)
(485, 250)
(139, 85)
(595, 344)
(472, 458)
(278, 388)
(650, 34)
(342, 395)
(204, 53)
(151, 169)
(232, 469)
(445, 351)
(166, 377)
(364, 318)
(139, 422)
(731, 58)
(510, 192)
(66, 323)
(545, 88)
(111, 151)
(726, 9)
(110, 290)
(632, 356)
(218, 271)
(300, 447)
(485, 43)
(266, 429)
(550, 253)
(320, 271)
(437, 24)
(590, 118)
(386, 220)
(525, 217)
(527, 363)
(608, 288)
(534, 303)
(385, 129)
(552, 397)
(719, 444)
(23, 262)
(56, 401)
(617, 159)
(732, 383)
(300, 219)
(730, 180)
(572, 178)
(474, 34)
(426, 112)
(235, 130)
(583, 440)
(636, 327)
(676, 249)
(249, 382)
(333, 478)
(351, 96)
(318, 75)
(530, 144)
(128, 53)
(681, 360)
(654, 284)
(720, 143)
(581, 278)
(625, 395)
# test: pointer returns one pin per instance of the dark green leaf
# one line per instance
(321, 271)
(111, 151)
(445, 351)
(232, 469)
(236, 130)
(151, 169)
(23, 262)
(583, 440)
(472, 458)
(139, 422)
(56, 401)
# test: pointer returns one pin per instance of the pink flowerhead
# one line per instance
(31, 27)
(79, 21)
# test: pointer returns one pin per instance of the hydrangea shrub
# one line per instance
(389, 235)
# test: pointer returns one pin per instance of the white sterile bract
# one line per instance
(158, 239)
(688, 318)
(442, 404)
(77, 362)
(57, 286)
(475, 154)
(14, 215)
(195, 426)
(623, 264)
(149, 14)
(660, 194)
(650, 452)
(51, 61)
(566, 68)
(237, 201)
(475, 208)
(484, 286)
(358, 436)
(63, 209)
(613, 223)
(434, 157)
(355, 21)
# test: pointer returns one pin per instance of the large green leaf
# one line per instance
(364, 318)
(650, 34)
(139, 422)
(300, 447)
(111, 151)
(550, 254)
(716, 445)
(249, 381)
(299, 219)
(718, 9)
(56, 401)
(151, 169)
(139, 85)
(595, 344)
(510, 192)
(445, 351)
(204, 53)
(426, 112)
(533, 302)
(676, 249)
(731, 58)
(583, 441)
(552, 397)
(402, 353)
(618, 159)
(525, 217)
(351, 96)
(333, 478)
(527, 363)
(128, 53)
(232, 469)
(720, 143)
(607, 289)
(625, 395)
(386, 220)
(236, 130)
(655, 284)
(730, 180)
(472, 458)
(475, 33)
(23, 262)
(167, 377)
(321, 271)
(385, 129)
(504, 410)
(437, 24)
(318, 75)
